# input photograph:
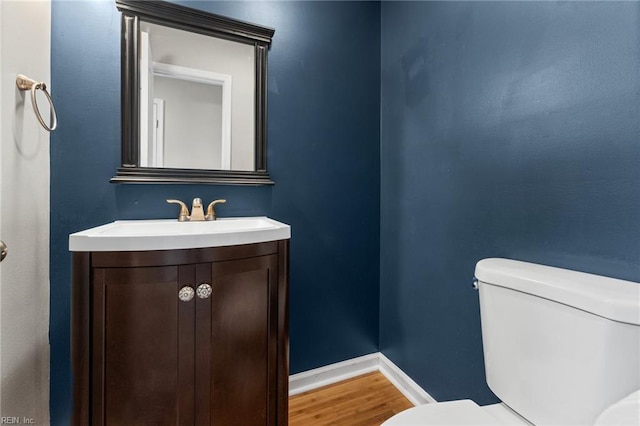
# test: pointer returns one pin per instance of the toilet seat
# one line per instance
(463, 412)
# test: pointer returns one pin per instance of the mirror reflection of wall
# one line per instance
(196, 98)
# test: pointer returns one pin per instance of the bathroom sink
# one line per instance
(169, 234)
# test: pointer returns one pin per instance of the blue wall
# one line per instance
(323, 132)
(508, 129)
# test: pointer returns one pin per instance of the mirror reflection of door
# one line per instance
(189, 109)
(196, 124)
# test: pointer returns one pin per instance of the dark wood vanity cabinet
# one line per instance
(181, 337)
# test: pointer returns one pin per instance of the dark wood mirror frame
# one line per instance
(192, 20)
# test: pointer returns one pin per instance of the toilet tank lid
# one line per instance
(611, 298)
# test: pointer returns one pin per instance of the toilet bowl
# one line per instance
(463, 412)
(560, 348)
(623, 413)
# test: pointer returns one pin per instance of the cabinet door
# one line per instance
(142, 346)
(236, 343)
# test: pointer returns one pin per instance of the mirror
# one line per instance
(193, 96)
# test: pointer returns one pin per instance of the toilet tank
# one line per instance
(559, 346)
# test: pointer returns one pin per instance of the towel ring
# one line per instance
(25, 83)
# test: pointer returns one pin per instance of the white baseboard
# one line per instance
(332, 373)
(405, 384)
(323, 376)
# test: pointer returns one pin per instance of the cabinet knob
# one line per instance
(204, 290)
(186, 293)
(3, 250)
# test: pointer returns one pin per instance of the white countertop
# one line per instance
(169, 234)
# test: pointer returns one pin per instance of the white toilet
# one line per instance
(560, 348)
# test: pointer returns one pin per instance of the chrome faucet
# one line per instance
(197, 212)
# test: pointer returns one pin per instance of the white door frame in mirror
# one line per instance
(157, 153)
(146, 99)
(196, 76)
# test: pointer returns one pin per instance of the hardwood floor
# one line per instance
(365, 400)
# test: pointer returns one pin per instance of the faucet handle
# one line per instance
(211, 213)
(183, 216)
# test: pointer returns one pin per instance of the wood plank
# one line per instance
(366, 400)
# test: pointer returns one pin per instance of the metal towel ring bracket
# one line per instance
(25, 83)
